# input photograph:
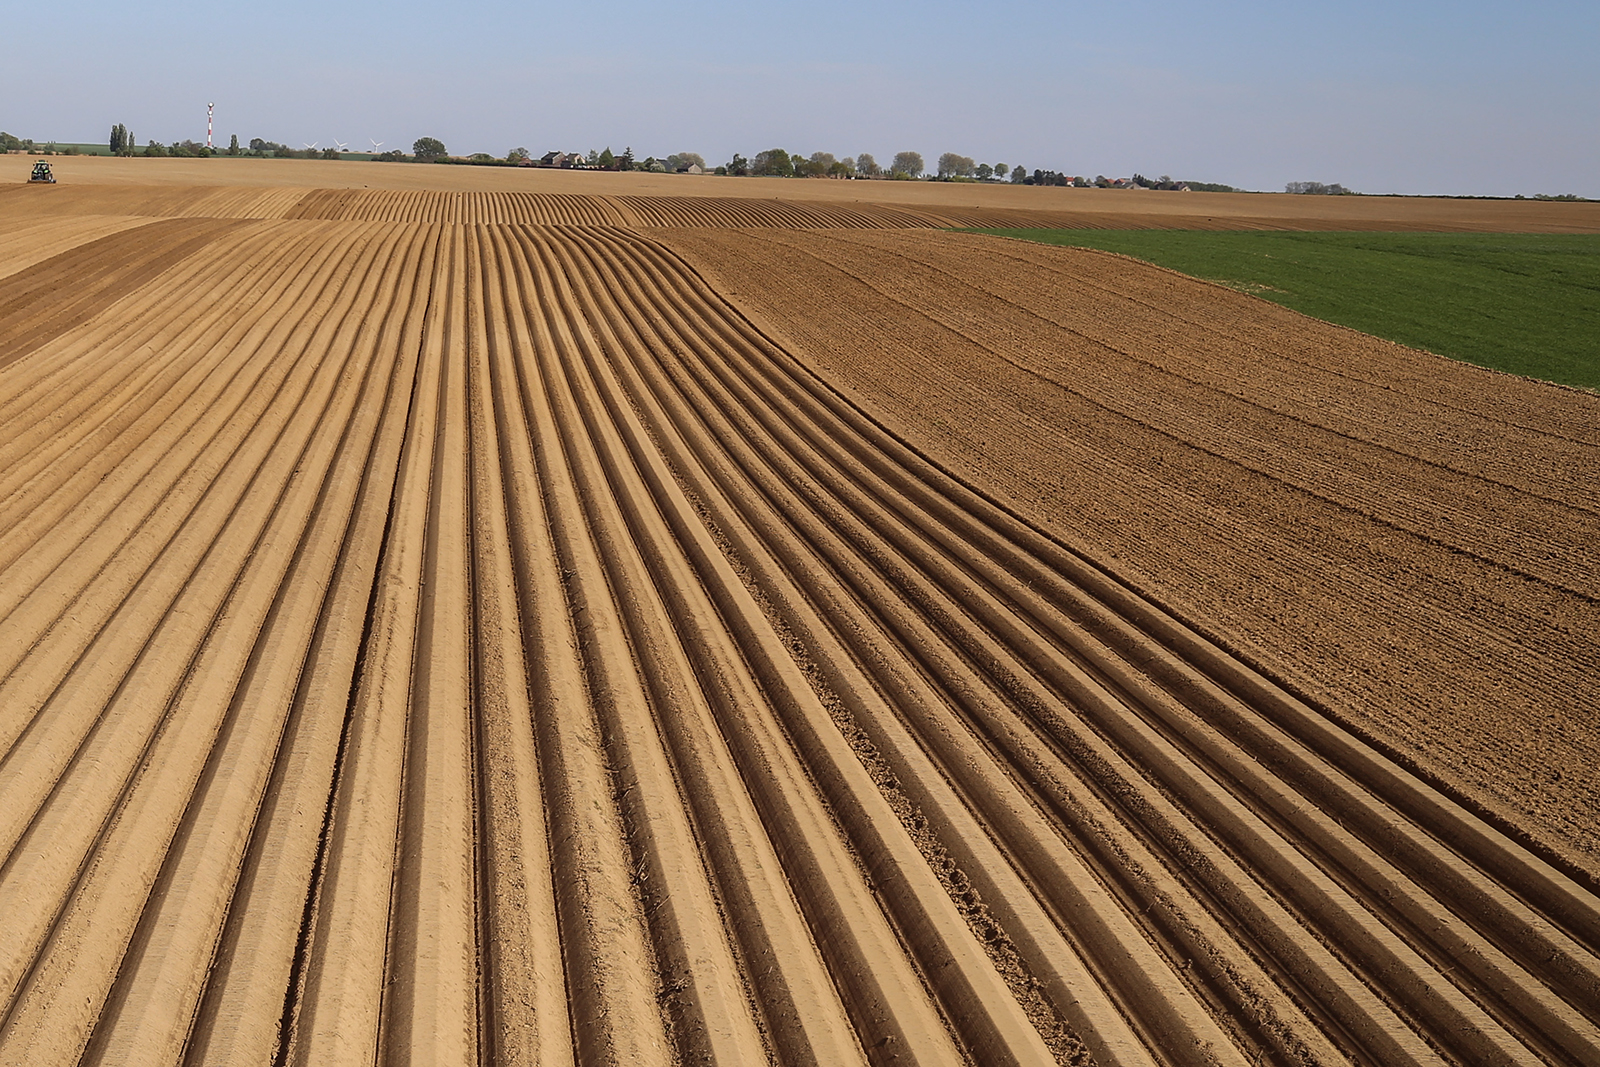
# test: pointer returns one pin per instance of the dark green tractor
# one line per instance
(41, 174)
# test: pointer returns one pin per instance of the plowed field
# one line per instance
(467, 628)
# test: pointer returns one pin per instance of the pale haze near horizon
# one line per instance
(1466, 98)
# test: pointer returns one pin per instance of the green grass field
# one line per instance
(1524, 303)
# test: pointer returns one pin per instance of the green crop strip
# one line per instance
(1524, 303)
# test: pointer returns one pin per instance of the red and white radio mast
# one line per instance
(209, 109)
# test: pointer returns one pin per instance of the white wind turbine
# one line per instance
(375, 145)
(310, 146)
(340, 143)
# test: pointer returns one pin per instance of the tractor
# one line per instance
(41, 174)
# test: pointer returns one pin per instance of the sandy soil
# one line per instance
(428, 639)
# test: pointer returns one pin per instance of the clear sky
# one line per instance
(1412, 96)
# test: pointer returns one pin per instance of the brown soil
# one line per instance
(494, 629)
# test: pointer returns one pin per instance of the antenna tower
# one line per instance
(209, 109)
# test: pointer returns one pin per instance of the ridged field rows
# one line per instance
(716, 212)
(481, 644)
(1408, 539)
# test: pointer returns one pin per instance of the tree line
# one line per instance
(773, 162)
(1317, 189)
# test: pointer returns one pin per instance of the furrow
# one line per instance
(240, 1018)
(149, 1016)
(341, 991)
(1101, 1024)
(1568, 1021)
(526, 1022)
(190, 669)
(988, 1017)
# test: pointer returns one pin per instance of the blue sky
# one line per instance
(1412, 97)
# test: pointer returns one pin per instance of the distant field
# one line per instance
(1524, 303)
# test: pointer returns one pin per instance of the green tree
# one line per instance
(1019, 174)
(119, 139)
(815, 167)
(739, 167)
(866, 166)
(517, 155)
(774, 163)
(605, 160)
(9, 143)
(954, 166)
(908, 164)
(155, 148)
(233, 145)
(428, 149)
(984, 172)
(1001, 170)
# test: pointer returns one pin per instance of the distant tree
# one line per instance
(814, 167)
(681, 161)
(1019, 175)
(119, 139)
(233, 145)
(517, 155)
(428, 149)
(840, 168)
(1001, 170)
(482, 157)
(9, 142)
(593, 158)
(908, 164)
(1316, 189)
(605, 160)
(984, 172)
(155, 148)
(625, 161)
(774, 162)
(331, 153)
(394, 155)
(955, 166)
(738, 167)
(866, 166)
